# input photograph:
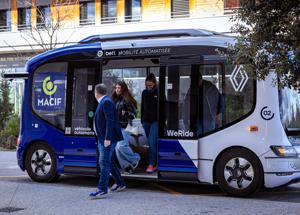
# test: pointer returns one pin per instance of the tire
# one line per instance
(56, 178)
(40, 163)
(239, 172)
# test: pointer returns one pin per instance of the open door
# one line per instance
(178, 111)
(80, 147)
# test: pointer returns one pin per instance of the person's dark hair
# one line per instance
(125, 93)
(101, 89)
(151, 77)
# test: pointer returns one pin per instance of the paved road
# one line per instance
(70, 196)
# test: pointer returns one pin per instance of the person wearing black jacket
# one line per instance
(149, 118)
(126, 107)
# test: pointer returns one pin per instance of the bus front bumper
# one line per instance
(20, 158)
(281, 170)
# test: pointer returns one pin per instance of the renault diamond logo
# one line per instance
(238, 78)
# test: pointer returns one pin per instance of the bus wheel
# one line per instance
(40, 163)
(239, 172)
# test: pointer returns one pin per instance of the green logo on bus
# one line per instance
(48, 86)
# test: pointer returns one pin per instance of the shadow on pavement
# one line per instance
(282, 194)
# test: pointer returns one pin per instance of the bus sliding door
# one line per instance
(178, 102)
(80, 148)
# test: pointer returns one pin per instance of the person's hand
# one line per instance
(106, 143)
(123, 112)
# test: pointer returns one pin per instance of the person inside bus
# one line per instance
(126, 107)
(210, 105)
(149, 117)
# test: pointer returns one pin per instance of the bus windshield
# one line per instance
(289, 102)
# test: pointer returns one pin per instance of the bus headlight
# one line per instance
(284, 151)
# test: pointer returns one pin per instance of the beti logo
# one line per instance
(100, 53)
(49, 87)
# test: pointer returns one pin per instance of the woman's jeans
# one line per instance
(124, 153)
(151, 131)
(107, 166)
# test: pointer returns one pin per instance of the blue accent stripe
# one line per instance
(81, 164)
(177, 169)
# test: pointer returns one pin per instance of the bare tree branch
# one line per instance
(45, 32)
(19, 54)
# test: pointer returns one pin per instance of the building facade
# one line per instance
(28, 27)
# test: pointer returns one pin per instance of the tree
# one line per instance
(269, 39)
(46, 32)
(5, 106)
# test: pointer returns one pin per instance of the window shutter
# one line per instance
(5, 4)
(42, 2)
(180, 8)
(23, 4)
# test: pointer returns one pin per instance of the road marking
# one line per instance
(173, 192)
(13, 176)
(209, 194)
(12, 167)
(257, 194)
(279, 192)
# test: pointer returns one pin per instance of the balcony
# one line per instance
(85, 22)
(133, 18)
(109, 20)
(5, 28)
(24, 27)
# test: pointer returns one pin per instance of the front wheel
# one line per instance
(40, 163)
(239, 172)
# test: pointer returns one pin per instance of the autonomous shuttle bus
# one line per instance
(216, 123)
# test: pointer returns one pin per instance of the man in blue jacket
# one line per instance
(108, 131)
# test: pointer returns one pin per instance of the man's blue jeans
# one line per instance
(151, 131)
(124, 153)
(107, 166)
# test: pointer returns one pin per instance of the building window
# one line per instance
(87, 12)
(24, 15)
(43, 16)
(133, 10)
(180, 8)
(63, 2)
(24, 18)
(5, 15)
(231, 5)
(43, 13)
(108, 11)
(4, 20)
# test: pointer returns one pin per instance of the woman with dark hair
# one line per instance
(149, 118)
(126, 107)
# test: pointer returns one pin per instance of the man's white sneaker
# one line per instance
(117, 188)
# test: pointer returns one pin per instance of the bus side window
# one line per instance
(84, 102)
(179, 119)
(210, 98)
(135, 80)
(49, 93)
(220, 101)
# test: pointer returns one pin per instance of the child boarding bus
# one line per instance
(216, 123)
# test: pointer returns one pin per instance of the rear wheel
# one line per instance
(239, 172)
(40, 163)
